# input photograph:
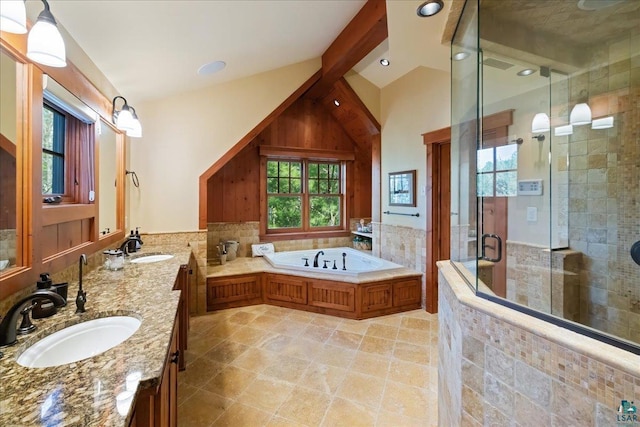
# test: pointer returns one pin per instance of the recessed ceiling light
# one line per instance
(211, 68)
(526, 72)
(460, 56)
(429, 8)
(384, 62)
(336, 102)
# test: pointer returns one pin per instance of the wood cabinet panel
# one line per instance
(407, 292)
(332, 295)
(234, 291)
(286, 288)
(182, 285)
(376, 297)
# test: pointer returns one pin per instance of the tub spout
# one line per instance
(315, 258)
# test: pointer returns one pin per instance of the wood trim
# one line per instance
(202, 202)
(361, 35)
(496, 120)
(275, 237)
(65, 213)
(7, 145)
(305, 153)
(376, 178)
(437, 136)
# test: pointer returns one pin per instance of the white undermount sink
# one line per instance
(145, 259)
(79, 341)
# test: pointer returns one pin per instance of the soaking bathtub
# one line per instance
(353, 263)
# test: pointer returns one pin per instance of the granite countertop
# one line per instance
(84, 393)
(246, 265)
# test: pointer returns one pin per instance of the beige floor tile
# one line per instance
(200, 371)
(414, 336)
(242, 317)
(326, 321)
(202, 409)
(201, 345)
(363, 389)
(392, 320)
(412, 353)
(290, 328)
(317, 333)
(409, 401)
(305, 406)
(382, 331)
(286, 368)
(302, 348)
(411, 373)
(353, 326)
(277, 421)
(250, 336)
(371, 364)
(266, 393)
(415, 323)
(276, 343)
(335, 356)
(241, 415)
(255, 359)
(377, 345)
(226, 351)
(343, 412)
(345, 339)
(389, 419)
(186, 391)
(230, 382)
(265, 322)
(301, 316)
(324, 378)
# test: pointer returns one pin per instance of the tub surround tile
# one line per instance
(141, 290)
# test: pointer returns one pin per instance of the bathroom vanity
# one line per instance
(131, 384)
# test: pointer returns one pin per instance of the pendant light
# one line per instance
(13, 16)
(44, 43)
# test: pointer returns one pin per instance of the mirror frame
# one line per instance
(120, 175)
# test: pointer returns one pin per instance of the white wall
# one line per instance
(417, 103)
(185, 134)
(8, 123)
(368, 93)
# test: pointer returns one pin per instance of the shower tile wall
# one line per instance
(604, 190)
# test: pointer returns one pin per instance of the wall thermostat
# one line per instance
(530, 187)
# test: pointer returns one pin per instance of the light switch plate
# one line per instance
(532, 214)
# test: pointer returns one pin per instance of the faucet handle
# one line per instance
(26, 326)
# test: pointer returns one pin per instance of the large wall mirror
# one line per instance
(11, 114)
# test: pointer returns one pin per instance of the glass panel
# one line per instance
(284, 211)
(296, 185)
(485, 160)
(272, 185)
(506, 157)
(506, 183)
(324, 211)
(313, 186)
(313, 170)
(323, 187)
(108, 161)
(485, 185)
(283, 184)
(284, 169)
(272, 168)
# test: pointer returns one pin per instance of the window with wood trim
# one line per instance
(67, 155)
(304, 195)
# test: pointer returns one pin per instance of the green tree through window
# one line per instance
(303, 195)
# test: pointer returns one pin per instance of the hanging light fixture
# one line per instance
(540, 123)
(137, 127)
(13, 16)
(580, 114)
(123, 119)
(44, 43)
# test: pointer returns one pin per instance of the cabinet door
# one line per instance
(376, 297)
(182, 284)
(166, 400)
(235, 291)
(286, 288)
(407, 292)
(336, 296)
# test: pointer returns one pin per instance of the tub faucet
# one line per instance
(10, 320)
(315, 258)
(81, 299)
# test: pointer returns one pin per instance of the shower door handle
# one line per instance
(484, 247)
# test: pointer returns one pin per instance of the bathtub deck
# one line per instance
(248, 281)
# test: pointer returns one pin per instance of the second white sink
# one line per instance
(144, 259)
(79, 341)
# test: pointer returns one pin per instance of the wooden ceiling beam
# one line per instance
(365, 31)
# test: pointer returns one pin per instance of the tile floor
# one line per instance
(272, 366)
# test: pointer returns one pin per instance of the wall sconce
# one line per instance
(44, 42)
(540, 137)
(604, 123)
(580, 115)
(126, 119)
(540, 123)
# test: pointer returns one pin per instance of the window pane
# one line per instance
(272, 168)
(485, 185)
(284, 212)
(335, 172)
(313, 186)
(272, 185)
(335, 187)
(506, 183)
(324, 211)
(296, 185)
(52, 174)
(313, 170)
(324, 170)
(485, 160)
(507, 157)
(324, 187)
(47, 129)
(284, 168)
(296, 169)
(284, 185)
